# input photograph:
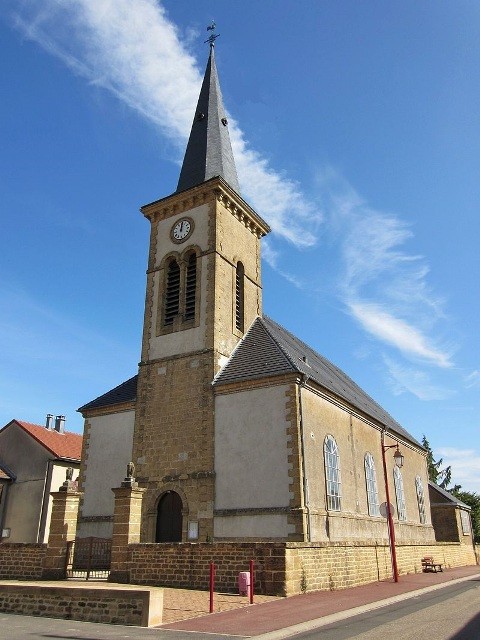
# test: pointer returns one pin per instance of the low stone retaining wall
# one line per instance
(188, 564)
(338, 566)
(127, 606)
(283, 569)
(20, 561)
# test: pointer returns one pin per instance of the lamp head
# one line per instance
(398, 457)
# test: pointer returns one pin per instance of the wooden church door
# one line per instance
(169, 518)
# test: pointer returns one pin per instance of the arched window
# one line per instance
(420, 500)
(239, 296)
(172, 294)
(332, 474)
(399, 493)
(190, 286)
(371, 482)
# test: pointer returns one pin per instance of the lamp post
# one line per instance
(399, 458)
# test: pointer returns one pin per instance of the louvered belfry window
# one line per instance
(172, 296)
(239, 296)
(191, 287)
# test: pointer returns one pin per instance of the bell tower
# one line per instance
(203, 292)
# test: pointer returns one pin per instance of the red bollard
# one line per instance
(251, 581)
(212, 584)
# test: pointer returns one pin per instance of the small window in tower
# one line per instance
(239, 296)
(172, 293)
(191, 287)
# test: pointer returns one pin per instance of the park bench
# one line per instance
(429, 565)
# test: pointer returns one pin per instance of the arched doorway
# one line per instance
(169, 518)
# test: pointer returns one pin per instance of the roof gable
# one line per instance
(268, 350)
(62, 445)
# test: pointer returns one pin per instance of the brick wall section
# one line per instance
(139, 608)
(188, 565)
(20, 561)
(283, 568)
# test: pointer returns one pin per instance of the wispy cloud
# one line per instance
(403, 378)
(382, 286)
(465, 465)
(473, 379)
(133, 50)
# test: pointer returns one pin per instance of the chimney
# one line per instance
(49, 421)
(60, 424)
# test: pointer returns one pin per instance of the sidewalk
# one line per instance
(300, 611)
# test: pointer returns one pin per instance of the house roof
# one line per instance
(209, 150)
(448, 497)
(125, 392)
(61, 445)
(269, 350)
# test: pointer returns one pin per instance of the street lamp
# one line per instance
(399, 458)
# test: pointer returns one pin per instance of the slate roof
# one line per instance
(448, 497)
(269, 350)
(125, 392)
(62, 445)
(209, 150)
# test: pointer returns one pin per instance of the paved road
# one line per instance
(452, 613)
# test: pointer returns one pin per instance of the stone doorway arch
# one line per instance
(169, 518)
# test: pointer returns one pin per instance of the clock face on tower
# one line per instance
(181, 230)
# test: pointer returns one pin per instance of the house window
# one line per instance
(465, 519)
(420, 500)
(190, 286)
(371, 482)
(239, 296)
(399, 493)
(172, 294)
(332, 474)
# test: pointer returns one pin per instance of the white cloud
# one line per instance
(382, 286)
(465, 465)
(132, 49)
(383, 325)
(473, 379)
(415, 381)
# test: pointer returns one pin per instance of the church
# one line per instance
(237, 430)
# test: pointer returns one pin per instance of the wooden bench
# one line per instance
(429, 565)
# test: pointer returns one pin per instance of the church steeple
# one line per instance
(209, 151)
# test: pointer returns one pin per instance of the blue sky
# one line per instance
(356, 134)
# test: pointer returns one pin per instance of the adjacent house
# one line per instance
(33, 463)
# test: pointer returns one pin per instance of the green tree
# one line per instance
(436, 474)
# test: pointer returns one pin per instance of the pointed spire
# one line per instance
(209, 151)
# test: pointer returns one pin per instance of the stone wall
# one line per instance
(320, 567)
(283, 568)
(21, 561)
(113, 606)
(188, 565)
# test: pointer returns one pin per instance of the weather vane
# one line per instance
(213, 35)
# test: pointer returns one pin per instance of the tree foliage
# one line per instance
(436, 474)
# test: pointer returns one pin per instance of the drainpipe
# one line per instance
(306, 497)
(42, 521)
